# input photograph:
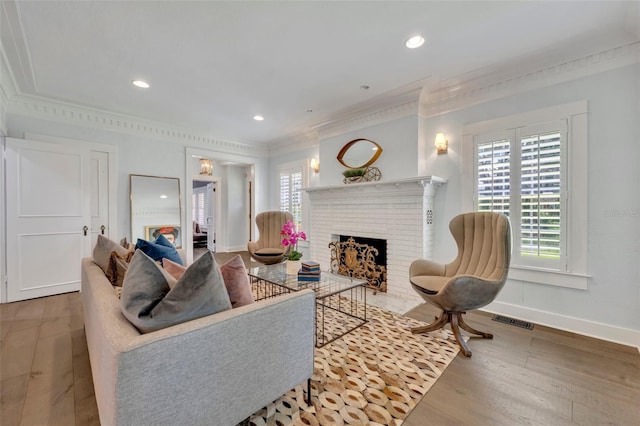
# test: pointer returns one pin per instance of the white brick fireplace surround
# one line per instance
(399, 211)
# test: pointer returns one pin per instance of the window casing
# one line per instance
(533, 168)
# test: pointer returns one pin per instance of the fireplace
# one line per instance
(400, 212)
(360, 257)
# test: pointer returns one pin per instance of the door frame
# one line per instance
(192, 173)
(216, 199)
(4, 283)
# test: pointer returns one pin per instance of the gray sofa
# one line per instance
(216, 370)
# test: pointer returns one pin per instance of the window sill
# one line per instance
(548, 277)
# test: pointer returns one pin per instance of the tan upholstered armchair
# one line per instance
(268, 248)
(473, 279)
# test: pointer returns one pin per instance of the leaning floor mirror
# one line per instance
(155, 208)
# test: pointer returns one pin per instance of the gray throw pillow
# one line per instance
(150, 303)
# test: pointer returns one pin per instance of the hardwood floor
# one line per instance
(535, 377)
(540, 377)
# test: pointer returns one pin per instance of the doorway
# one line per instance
(204, 206)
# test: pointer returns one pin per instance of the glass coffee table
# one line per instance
(341, 302)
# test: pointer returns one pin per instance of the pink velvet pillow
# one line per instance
(237, 282)
(234, 275)
(174, 269)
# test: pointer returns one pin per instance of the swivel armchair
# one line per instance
(268, 248)
(473, 279)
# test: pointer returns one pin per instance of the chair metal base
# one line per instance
(455, 318)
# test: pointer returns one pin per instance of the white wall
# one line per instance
(137, 155)
(398, 139)
(613, 294)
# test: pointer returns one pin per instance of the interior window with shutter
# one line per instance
(520, 172)
(291, 184)
(198, 206)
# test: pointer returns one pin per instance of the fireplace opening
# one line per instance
(362, 258)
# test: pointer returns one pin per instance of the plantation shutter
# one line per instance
(198, 206)
(291, 193)
(542, 214)
(493, 171)
(520, 172)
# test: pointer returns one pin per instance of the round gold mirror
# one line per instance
(359, 153)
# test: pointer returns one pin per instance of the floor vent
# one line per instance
(512, 321)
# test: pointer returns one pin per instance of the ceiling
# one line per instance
(213, 65)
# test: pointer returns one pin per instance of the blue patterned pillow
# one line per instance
(159, 249)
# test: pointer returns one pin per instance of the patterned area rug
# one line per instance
(374, 375)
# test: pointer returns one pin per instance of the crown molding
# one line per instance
(369, 118)
(293, 143)
(14, 46)
(495, 84)
(75, 115)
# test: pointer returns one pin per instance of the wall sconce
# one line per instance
(315, 165)
(441, 143)
(206, 167)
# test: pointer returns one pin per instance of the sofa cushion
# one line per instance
(234, 274)
(150, 304)
(102, 252)
(237, 282)
(159, 249)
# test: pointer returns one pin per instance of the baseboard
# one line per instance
(624, 336)
(236, 248)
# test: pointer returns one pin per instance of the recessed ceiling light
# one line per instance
(141, 83)
(258, 117)
(163, 196)
(414, 42)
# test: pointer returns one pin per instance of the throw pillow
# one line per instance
(150, 304)
(159, 249)
(102, 252)
(237, 282)
(118, 267)
(174, 269)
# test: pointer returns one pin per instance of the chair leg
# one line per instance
(472, 330)
(440, 322)
(454, 317)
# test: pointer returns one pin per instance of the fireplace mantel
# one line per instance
(380, 185)
(398, 211)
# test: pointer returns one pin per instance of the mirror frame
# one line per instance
(131, 201)
(349, 144)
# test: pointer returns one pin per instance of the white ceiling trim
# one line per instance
(441, 100)
(369, 119)
(295, 143)
(18, 50)
(76, 115)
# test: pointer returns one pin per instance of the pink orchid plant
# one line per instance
(290, 237)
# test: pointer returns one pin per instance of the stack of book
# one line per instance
(310, 271)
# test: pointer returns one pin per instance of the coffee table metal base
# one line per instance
(337, 312)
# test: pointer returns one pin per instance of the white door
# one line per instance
(99, 195)
(48, 217)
